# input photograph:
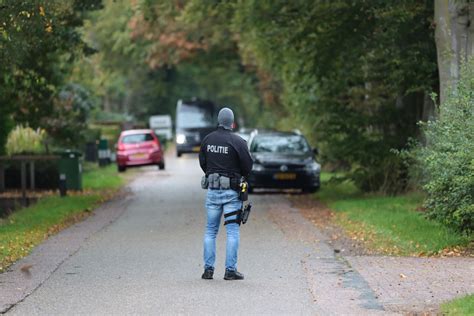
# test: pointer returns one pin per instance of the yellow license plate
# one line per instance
(139, 156)
(285, 176)
(196, 149)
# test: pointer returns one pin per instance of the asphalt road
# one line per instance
(149, 260)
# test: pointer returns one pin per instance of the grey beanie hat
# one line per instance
(225, 118)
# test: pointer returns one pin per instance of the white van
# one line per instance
(162, 126)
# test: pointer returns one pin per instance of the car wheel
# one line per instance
(178, 154)
(121, 168)
(161, 166)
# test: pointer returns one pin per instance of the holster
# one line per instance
(243, 190)
(242, 215)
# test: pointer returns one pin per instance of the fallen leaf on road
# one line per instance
(26, 270)
(402, 276)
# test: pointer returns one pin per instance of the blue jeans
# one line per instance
(219, 201)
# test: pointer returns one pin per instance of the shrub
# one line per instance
(25, 140)
(446, 161)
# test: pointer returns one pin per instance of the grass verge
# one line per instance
(459, 306)
(28, 227)
(388, 225)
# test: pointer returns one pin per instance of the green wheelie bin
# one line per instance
(104, 152)
(70, 167)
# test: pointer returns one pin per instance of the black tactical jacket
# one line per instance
(225, 153)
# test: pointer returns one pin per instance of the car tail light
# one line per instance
(120, 147)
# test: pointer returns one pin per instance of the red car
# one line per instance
(139, 147)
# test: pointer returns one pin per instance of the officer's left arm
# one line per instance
(246, 161)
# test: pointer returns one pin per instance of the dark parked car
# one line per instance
(283, 160)
(245, 133)
(139, 147)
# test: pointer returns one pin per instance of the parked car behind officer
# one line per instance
(283, 160)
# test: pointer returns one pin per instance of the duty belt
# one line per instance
(215, 181)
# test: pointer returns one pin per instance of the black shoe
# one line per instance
(208, 273)
(233, 275)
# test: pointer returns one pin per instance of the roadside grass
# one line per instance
(459, 306)
(97, 178)
(389, 225)
(28, 227)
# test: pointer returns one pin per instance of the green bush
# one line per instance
(25, 140)
(446, 161)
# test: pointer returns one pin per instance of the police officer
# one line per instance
(224, 158)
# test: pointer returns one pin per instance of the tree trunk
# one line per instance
(454, 39)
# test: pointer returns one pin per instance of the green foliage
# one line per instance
(67, 124)
(446, 161)
(25, 140)
(390, 225)
(354, 76)
(38, 41)
(148, 57)
(459, 306)
(78, 98)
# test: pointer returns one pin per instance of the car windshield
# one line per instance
(137, 138)
(291, 144)
(194, 117)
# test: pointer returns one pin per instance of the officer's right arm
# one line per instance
(202, 158)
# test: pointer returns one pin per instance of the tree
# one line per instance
(146, 59)
(356, 76)
(446, 160)
(67, 124)
(38, 42)
(454, 40)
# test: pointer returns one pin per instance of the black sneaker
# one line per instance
(233, 275)
(208, 273)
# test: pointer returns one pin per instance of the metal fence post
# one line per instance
(23, 183)
(32, 174)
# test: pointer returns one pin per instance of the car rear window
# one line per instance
(137, 138)
(279, 144)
